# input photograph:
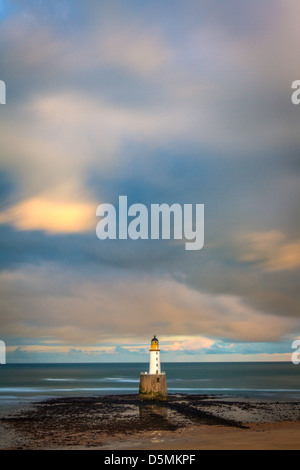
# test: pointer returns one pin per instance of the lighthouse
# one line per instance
(154, 357)
(153, 385)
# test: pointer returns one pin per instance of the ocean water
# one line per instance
(31, 382)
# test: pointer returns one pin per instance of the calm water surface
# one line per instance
(28, 382)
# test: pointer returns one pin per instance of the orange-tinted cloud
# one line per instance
(271, 251)
(51, 216)
(193, 344)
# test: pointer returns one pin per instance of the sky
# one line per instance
(164, 102)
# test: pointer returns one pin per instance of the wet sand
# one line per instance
(185, 422)
(271, 436)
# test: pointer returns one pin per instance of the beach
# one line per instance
(267, 436)
(124, 422)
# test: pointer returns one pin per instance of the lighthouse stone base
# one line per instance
(153, 386)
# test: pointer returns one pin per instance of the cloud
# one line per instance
(271, 251)
(129, 46)
(61, 137)
(36, 304)
(194, 344)
(47, 349)
(50, 216)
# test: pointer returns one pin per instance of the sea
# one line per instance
(23, 383)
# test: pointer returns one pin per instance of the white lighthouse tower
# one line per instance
(153, 385)
(154, 357)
